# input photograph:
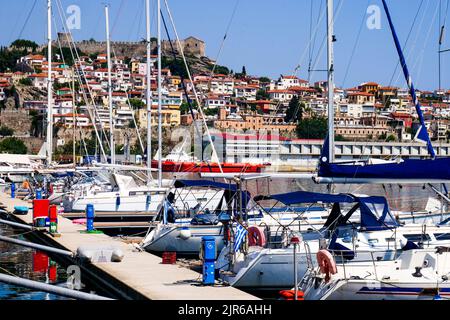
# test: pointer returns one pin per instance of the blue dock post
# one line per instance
(90, 213)
(13, 190)
(209, 258)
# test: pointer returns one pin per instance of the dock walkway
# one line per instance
(140, 275)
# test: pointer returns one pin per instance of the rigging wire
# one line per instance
(225, 37)
(337, 12)
(116, 18)
(74, 107)
(200, 109)
(27, 19)
(320, 16)
(420, 58)
(72, 50)
(407, 40)
(139, 13)
(354, 47)
(322, 47)
(305, 51)
(71, 42)
(16, 23)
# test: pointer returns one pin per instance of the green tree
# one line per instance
(137, 103)
(264, 80)
(220, 70)
(37, 122)
(6, 131)
(63, 52)
(294, 111)
(26, 82)
(262, 94)
(177, 66)
(211, 111)
(184, 108)
(390, 138)
(8, 58)
(24, 44)
(340, 137)
(13, 145)
(244, 71)
(312, 128)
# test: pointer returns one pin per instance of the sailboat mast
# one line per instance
(49, 85)
(110, 103)
(159, 99)
(441, 36)
(74, 124)
(330, 68)
(422, 133)
(149, 94)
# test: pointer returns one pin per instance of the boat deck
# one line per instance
(140, 275)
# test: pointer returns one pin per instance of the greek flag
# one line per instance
(239, 237)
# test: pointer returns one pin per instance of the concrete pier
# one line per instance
(140, 275)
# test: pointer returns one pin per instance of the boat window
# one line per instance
(417, 237)
(442, 236)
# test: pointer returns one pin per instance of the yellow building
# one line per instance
(370, 87)
(174, 80)
(170, 117)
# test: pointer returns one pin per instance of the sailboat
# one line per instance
(415, 275)
(434, 170)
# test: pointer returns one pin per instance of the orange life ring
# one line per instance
(290, 294)
(326, 263)
(25, 185)
(256, 236)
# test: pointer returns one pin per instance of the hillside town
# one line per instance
(232, 101)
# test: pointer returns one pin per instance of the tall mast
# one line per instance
(149, 95)
(159, 98)
(422, 132)
(49, 85)
(74, 124)
(110, 103)
(330, 68)
(441, 37)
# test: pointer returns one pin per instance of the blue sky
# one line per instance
(269, 37)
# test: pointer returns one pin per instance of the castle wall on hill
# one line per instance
(190, 45)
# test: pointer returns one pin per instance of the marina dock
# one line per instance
(140, 275)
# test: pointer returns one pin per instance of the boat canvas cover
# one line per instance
(205, 184)
(300, 197)
(374, 211)
(375, 214)
(230, 189)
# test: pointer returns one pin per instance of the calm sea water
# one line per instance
(29, 264)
